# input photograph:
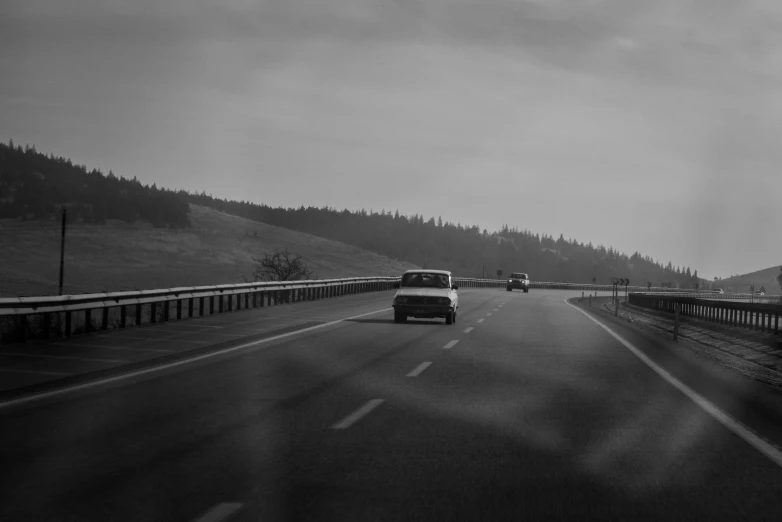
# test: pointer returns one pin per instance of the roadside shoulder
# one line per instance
(753, 402)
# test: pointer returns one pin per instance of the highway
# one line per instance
(525, 409)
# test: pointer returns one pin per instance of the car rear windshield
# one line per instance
(424, 280)
(518, 276)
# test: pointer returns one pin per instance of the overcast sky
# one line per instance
(644, 125)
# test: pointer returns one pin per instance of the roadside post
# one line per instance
(62, 250)
(676, 323)
(616, 308)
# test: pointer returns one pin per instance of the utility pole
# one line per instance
(62, 250)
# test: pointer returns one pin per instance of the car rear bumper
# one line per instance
(521, 286)
(423, 311)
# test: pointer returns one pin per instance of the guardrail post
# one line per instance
(166, 310)
(200, 307)
(776, 324)
(190, 308)
(104, 323)
(47, 325)
(87, 320)
(22, 325)
(152, 312)
(676, 324)
(123, 316)
(68, 323)
(178, 309)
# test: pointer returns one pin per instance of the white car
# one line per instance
(426, 294)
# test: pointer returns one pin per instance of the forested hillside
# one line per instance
(466, 250)
(36, 186)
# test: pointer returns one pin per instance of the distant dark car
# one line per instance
(518, 280)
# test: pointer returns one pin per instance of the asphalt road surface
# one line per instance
(525, 409)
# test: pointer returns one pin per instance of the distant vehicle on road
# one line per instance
(518, 280)
(718, 291)
(426, 294)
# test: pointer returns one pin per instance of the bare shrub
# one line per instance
(281, 265)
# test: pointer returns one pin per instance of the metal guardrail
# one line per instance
(753, 298)
(758, 316)
(23, 318)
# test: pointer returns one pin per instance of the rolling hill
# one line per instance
(766, 278)
(121, 256)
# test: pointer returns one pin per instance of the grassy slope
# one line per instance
(128, 257)
(766, 278)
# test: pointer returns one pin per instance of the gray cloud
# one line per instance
(671, 105)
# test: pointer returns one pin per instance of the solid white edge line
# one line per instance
(451, 344)
(468, 329)
(749, 436)
(419, 369)
(100, 382)
(357, 415)
(220, 512)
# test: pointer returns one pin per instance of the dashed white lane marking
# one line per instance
(132, 338)
(357, 415)
(496, 310)
(41, 356)
(104, 347)
(419, 369)
(34, 372)
(199, 325)
(189, 325)
(754, 440)
(63, 391)
(487, 315)
(468, 329)
(480, 320)
(220, 512)
(450, 344)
